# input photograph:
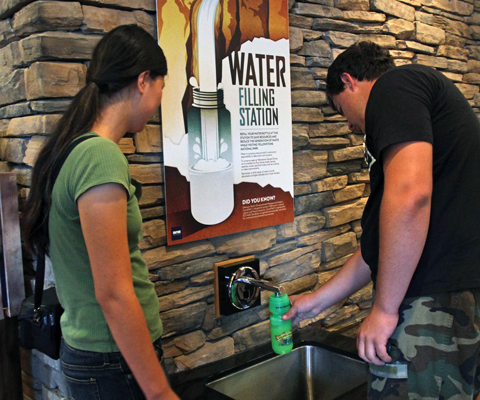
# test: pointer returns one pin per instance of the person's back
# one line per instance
(418, 103)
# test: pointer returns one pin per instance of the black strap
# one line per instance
(40, 272)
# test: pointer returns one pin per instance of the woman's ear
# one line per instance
(142, 81)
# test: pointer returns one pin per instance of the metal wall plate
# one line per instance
(223, 272)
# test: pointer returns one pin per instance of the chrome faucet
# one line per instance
(261, 284)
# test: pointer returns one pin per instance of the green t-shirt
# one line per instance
(93, 162)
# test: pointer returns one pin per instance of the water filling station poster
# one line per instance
(226, 116)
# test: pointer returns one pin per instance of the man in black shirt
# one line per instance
(421, 242)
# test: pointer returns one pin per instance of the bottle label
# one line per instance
(284, 339)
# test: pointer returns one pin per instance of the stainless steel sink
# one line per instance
(307, 373)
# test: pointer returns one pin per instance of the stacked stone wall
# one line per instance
(44, 50)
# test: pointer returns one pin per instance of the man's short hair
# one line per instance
(363, 61)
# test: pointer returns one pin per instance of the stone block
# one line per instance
(426, 18)
(299, 21)
(359, 177)
(184, 319)
(306, 114)
(453, 6)
(13, 150)
(345, 167)
(296, 38)
(309, 165)
(455, 41)
(474, 32)
(163, 256)
(43, 16)
(341, 39)
(419, 48)
(154, 234)
(429, 35)
(385, 41)
(457, 66)
(317, 48)
(362, 295)
(49, 106)
(299, 135)
(472, 78)
(164, 288)
(333, 183)
(151, 195)
(308, 98)
(469, 91)
(453, 52)
(320, 236)
(301, 189)
(296, 61)
(325, 24)
(302, 78)
(239, 244)
(233, 323)
(319, 61)
(313, 202)
(33, 125)
(402, 29)
(341, 214)
(126, 145)
(395, 8)
(328, 143)
(34, 146)
(252, 336)
(49, 79)
(349, 193)
(328, 129)
(300, 285)
(434, 62)
(190, 342)
(340, 315)
(23, 173)
(316, 10)
(355, 139)
(349, 153)
(337, 263)
(57, 46)
(339, 246)
(454, 27)
(474, 66)
(358, 5)
(189, 268)
(9, 58)
(147, 173)
(303, 224)
(13, 87)
(292, 255)
(154, 212)
(304, 265)
(147, 5)
(363, 16)
(6, 32)
(187, 296)
(102, 20)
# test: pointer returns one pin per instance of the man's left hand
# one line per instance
(373, 335)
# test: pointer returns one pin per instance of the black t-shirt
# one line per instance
(418, 103)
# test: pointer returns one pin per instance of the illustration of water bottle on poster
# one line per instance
(226, 116)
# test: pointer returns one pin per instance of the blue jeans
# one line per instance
(100, 376)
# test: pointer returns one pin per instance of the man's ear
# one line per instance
(348, 80)
(142, 81)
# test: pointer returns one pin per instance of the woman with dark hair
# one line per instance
(111, 326)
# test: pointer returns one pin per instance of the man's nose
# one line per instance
(350, 126)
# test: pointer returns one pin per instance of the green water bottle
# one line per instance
(281, 331)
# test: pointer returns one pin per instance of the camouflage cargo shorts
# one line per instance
(435, 350)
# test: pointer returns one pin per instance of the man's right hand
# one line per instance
(302, 307)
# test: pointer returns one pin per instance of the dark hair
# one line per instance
(117, 61)
(363, 61)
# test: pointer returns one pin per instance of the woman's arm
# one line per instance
(103, 215)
